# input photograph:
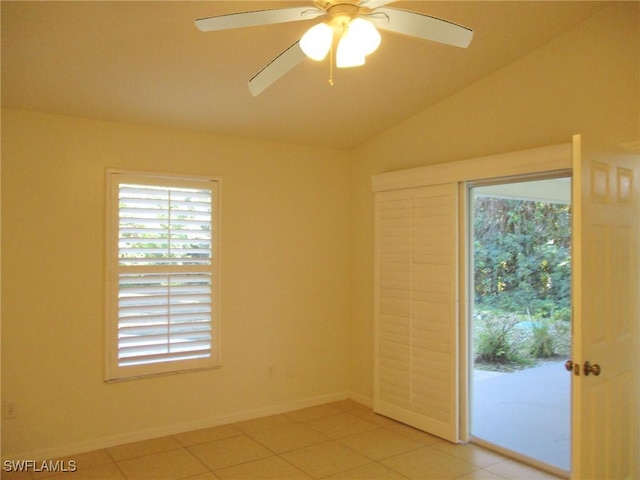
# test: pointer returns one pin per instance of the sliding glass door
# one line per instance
(520, 322)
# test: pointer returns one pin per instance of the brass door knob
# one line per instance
(588, 368)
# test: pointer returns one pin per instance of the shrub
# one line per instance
(542, 341)
(494, 340)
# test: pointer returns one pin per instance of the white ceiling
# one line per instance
(145, 62)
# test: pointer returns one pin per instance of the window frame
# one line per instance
(114, 178)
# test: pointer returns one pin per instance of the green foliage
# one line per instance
(542, 343)
(522, 253)
(522, 279)
(494, 342)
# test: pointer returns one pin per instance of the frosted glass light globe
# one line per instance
(316, 41)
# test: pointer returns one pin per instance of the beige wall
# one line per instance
(285, 290)
(297, 266)
(584, 81)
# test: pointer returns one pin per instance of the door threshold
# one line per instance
(532, 462)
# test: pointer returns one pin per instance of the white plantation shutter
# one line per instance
(162, 299)
(163, 317)
(416, 335)
(164, 225)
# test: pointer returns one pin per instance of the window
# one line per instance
(162, 274)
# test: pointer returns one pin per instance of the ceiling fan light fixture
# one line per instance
(345, 20)
(365, 34)
(316, 42)
(349, 53)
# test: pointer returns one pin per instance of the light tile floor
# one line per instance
(341, 440)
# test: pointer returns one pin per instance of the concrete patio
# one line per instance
(528, 411)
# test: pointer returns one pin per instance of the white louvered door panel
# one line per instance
(416, 334)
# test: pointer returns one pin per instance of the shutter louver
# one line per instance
(416, 308)
(164, 226)
(165, 304)
(164, 317)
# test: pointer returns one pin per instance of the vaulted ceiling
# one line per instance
(144, 62)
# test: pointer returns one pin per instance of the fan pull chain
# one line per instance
(331, 65)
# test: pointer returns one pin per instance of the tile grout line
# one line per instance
(323, 413)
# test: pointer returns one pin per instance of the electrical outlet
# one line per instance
(8, 409)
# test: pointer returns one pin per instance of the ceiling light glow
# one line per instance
(349, 53)
(359, 38)
(365, 34)
(316, 42)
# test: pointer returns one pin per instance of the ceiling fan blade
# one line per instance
(258, 17)
(422, 26)
(277, 68)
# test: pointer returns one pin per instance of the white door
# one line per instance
(416, 335)
(606, 417)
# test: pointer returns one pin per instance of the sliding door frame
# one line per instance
(554, 160)
(468, 289)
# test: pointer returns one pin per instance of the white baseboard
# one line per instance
(106, 442)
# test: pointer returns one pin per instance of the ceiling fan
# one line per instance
(352, 22)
